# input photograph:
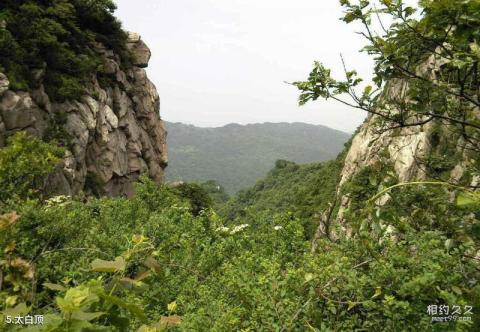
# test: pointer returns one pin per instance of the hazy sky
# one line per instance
(221, 61)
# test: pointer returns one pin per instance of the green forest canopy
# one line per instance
(57, 36)
(236, 156)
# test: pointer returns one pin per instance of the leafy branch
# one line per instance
(434, 58)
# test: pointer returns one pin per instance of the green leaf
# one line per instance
(20, 310)
(368, 89)
(122, 323)
(449, 244)
(351, 305)
(152, 264)
(137, 311)
(468, 199)
(333, 309)
(80, 325)
(308, 277)
(378, 292)
(86, 316)
(164, 323)
(457, 290)
(54, 287)
(349, 17)
(168, 321)
(99, 265)
(409, 11)
(129, 283)
(372, 179)
(475, 49)
(76, 298)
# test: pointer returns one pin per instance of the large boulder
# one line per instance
(140, 52)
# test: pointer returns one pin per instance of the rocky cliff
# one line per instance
(112, 134)
(409, 154)
(377, 158)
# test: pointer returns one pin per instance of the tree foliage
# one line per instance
(304, 190)
(57, 37)
(24, 165)
(426, 65)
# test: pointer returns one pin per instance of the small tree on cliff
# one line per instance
(426, 65)
(426, 70)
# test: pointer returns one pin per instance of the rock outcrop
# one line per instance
(406, 150)
(140, 51)
(114, 133)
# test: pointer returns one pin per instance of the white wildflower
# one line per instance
(61, 200)
(277, 228)
(239, 228)
(223, 229)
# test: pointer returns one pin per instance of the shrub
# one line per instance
(24, 164)
(58, 36)
(196, 195)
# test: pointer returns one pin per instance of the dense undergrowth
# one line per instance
(304, 190)
(164, 260)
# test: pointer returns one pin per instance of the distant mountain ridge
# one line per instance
(236, 156)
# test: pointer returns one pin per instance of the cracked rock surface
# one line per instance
(115, 133)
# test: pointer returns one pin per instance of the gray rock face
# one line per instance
(115, 133)
(4, 83)
(405, 148)
(140, 51)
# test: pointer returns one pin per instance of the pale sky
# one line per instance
(216, 62)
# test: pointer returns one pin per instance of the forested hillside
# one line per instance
(236, 156)
(303, 190)
(395, 218)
